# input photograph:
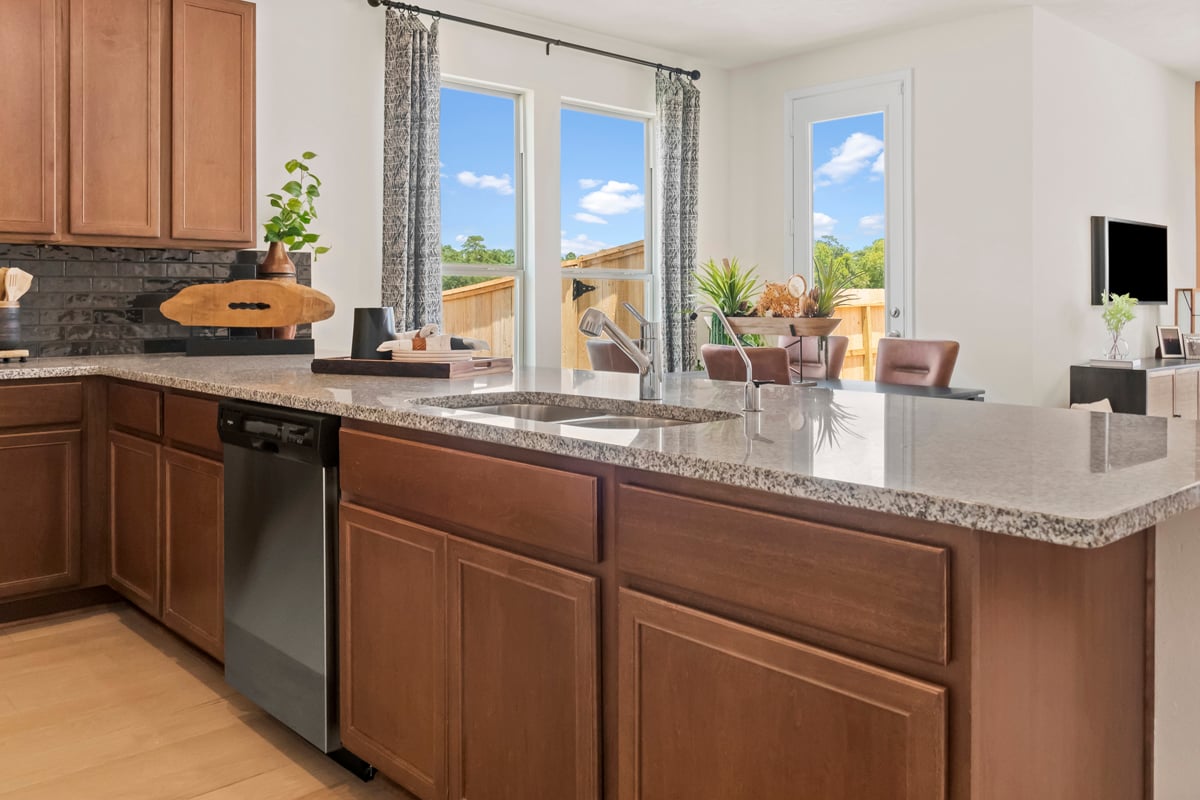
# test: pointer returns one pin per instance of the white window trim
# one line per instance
(907, 227)
(522, 177)
(650, 274)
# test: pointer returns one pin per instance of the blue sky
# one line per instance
(603, 174)
(848, 187)
(478, 150)
(603, 181)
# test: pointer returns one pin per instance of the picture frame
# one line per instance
(1191, 346)
(1170, 341)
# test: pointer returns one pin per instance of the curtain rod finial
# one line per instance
(375, 3)
(694, 74)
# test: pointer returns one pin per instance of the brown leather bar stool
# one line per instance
(724, 363)
(803, 352)
(916, 362)
(607, 357)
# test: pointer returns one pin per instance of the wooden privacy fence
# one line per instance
(482, 311)
(864, 321)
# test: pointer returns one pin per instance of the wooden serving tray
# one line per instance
(407, 369)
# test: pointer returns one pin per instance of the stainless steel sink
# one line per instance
(627, 422)
(538, 412)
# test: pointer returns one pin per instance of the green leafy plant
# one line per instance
(833, 287)
(733, 290)
(1118, 311)
(296, 208)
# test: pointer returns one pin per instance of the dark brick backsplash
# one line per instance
(104, 300)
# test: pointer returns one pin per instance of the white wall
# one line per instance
(972, 148)
(338, 46)
(1024, 127)
(1113, 136)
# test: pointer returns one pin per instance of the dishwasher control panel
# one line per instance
(298, 435)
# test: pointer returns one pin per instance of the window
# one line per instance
(482, 215)
(605, 222)
(850, 173)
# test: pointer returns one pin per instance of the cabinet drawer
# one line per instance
(191, 421)
(135, 408)
(545, 508)
(873, 589)
(40, 404)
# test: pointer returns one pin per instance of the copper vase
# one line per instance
(277, 266)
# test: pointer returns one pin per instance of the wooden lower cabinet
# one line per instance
(193, 535)
(135, 554)
(39, 531)
(712, 710)
(523, 678)
(392, 609)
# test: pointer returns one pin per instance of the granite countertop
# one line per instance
(1069, 477)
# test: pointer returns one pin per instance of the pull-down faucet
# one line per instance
(647, 357)
(753, 388)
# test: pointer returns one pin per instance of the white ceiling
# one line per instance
(734, 33)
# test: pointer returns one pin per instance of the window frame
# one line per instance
(900, 220)
(648, 275)
(521, 177)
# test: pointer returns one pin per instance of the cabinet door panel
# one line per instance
(1160, 394)
(39, 534)
(194, 536)
(1187, 389)
(116, 116)
(711, 710)
(213, 121)
(29, 92)
(134, 513)
(392, 611)
(523, 678)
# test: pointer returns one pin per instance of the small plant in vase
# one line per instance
(731, 289)
(1118, 312)
(288, 231)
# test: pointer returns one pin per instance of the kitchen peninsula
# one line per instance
(872, 595)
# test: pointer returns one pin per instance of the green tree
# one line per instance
(867, 264)
(475, 251)
(570, 256)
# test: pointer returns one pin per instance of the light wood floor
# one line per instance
(107, 704)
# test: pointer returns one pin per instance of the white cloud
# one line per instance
(462, 237)
(823, 225)
(501, 185)
(872, 223)
(591, 218)
(589, 183)
(877, 167)
(850, 158)
(614, 197)
(580, 245)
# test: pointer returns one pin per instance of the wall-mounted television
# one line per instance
(1129, 258)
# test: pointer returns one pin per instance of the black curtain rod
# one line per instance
(694, 74)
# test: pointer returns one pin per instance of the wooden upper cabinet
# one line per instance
(711, 710)
(116, 96)
(212, 179)
(29, 94)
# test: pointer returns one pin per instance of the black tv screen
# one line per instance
(1129, 258)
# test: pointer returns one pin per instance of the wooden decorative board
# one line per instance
(785, 326)
(248, 304)
(402, 369)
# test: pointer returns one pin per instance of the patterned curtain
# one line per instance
(679, 175)
(412, 214)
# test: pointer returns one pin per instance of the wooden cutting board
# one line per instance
(248, 304)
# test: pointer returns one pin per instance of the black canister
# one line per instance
(10, 328)
(372, 327)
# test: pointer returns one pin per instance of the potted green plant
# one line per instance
(1118, 312)
(288, 231)
(731, 289)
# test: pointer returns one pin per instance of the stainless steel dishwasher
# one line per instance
(281, 494)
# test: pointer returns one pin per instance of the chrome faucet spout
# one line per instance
(647, 356)
(753, 391)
